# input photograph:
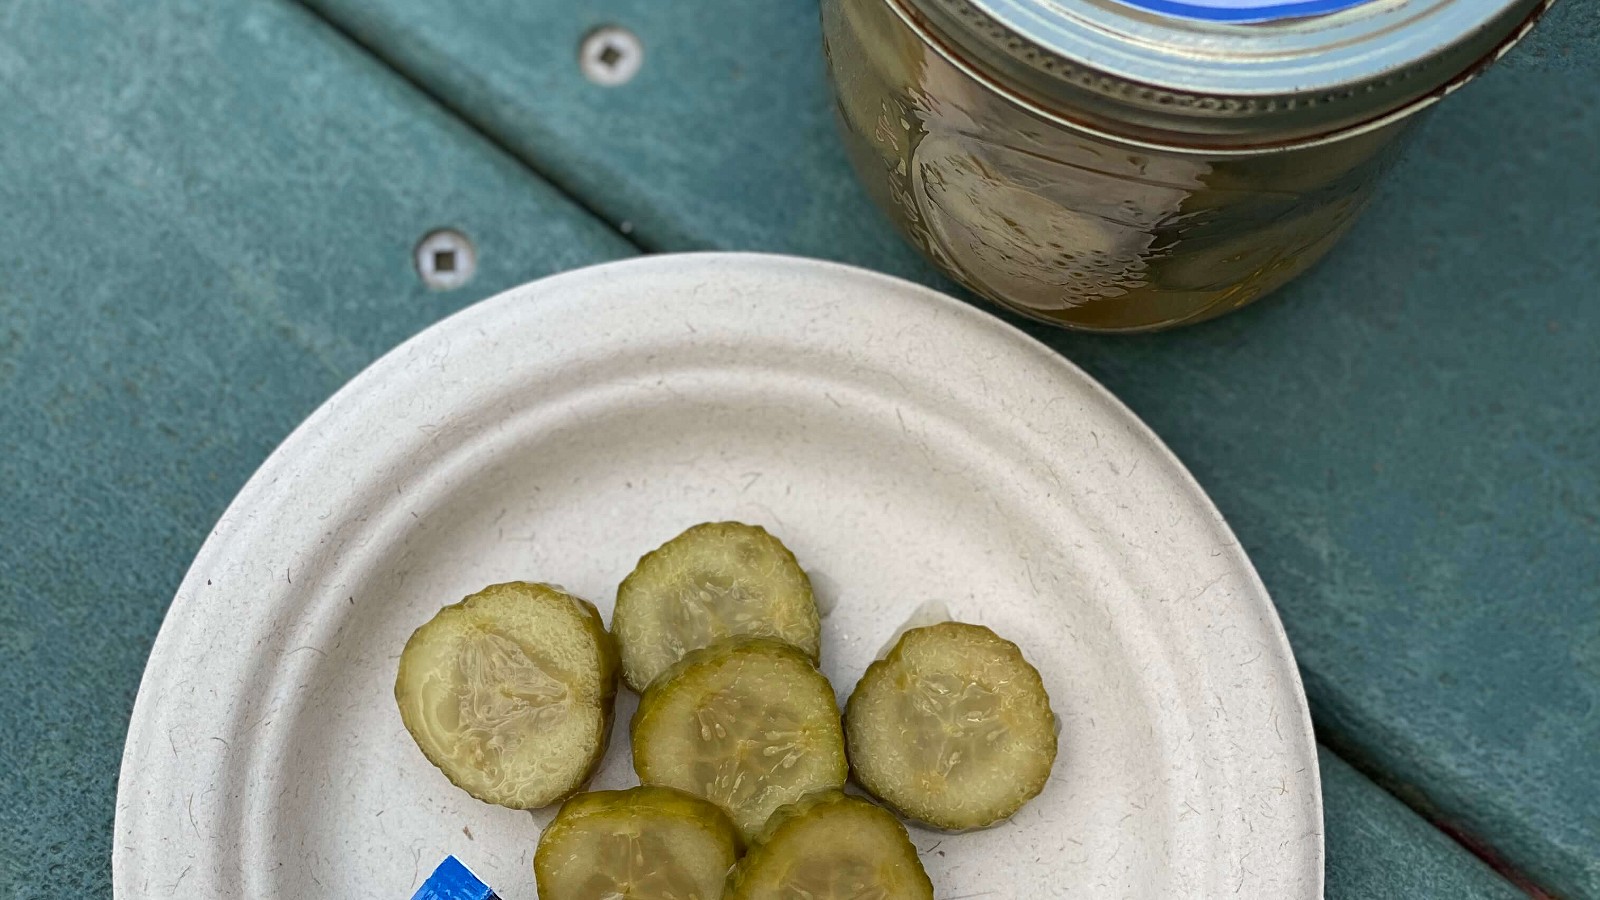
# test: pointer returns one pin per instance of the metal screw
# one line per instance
(610, 55)
(446, 259)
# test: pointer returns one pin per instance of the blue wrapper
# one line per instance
(453, 881)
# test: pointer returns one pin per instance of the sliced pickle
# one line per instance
(831, 846)
(748, 724)
(510, 691)
(646, 843)
(713, 582)
(952, 728)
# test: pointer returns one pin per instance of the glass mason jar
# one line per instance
(1129, 165)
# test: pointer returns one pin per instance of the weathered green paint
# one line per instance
(209, 212)
(1378, 848)
(1406, 440)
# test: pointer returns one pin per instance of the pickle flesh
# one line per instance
(831, 846)
(710, 583)
(645, 843)
(952, 728)
(509, 693)
(749, 725)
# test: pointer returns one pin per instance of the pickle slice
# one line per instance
(748, 724)
(713, 582)
(952, 728)
(510, 691)
(646, 843)
(831, 846)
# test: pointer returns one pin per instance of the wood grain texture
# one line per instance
(1405, 439)
(1379, 848)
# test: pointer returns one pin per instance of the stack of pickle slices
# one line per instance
(738, 742)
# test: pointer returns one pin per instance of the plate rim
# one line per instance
(180, 610)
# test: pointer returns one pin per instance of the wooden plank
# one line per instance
(1377, 847)
(1405, 440)
(209, 215)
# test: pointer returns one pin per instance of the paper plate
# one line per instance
(907, 447)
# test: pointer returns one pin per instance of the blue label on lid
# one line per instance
(1244, 10)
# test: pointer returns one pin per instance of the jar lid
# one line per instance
(1228, 72)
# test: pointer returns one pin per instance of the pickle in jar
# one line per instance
(645, 842)
(831, 846)
(748, 724)
(510, 692)
(713, 582)
(953, 727)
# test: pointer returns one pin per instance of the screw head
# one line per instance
(610, 55)
(445, 259)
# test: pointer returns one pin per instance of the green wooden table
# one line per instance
(209, 212)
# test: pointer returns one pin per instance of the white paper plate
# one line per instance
(907, 448)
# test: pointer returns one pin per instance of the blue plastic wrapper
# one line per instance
(453, 881)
